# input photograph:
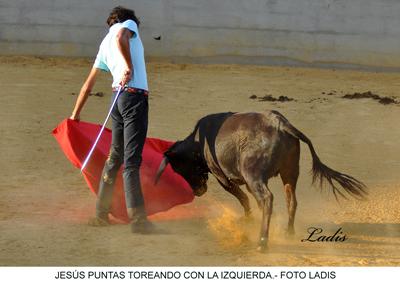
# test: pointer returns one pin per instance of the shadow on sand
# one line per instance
(372, 229)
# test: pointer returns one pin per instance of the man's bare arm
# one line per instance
(84, 93)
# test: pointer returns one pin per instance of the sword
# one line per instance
(120, 89)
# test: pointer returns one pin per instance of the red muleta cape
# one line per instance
(77, 137)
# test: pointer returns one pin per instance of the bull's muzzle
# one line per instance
(199, 191)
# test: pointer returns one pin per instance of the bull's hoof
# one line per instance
(263, 245)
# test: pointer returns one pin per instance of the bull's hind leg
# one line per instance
(289, 174)
(291, 203)
(265, 198)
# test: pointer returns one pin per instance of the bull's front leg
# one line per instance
(236, 191)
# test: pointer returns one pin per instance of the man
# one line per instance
(121, 53)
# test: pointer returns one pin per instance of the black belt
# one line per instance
(132, 90)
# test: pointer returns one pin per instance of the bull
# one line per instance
(249, 149)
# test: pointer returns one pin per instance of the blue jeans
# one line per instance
(129, 130)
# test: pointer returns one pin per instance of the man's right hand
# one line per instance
(126, 77)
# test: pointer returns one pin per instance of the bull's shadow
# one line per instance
(367, 233)
(365, 229)
(372, 229)
(365, 240)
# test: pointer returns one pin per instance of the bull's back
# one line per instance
(249, 129)
(249, 141)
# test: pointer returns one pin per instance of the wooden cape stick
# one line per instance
(102, 129)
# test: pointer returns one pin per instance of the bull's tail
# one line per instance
(322, 172)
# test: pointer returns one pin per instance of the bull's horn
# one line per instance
(161, 169)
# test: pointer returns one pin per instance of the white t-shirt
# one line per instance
(110, 59)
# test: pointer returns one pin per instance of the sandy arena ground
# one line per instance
(45, 203)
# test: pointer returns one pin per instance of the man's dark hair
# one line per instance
(120, 14)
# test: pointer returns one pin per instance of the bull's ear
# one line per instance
(174, 150)
(169, 153)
